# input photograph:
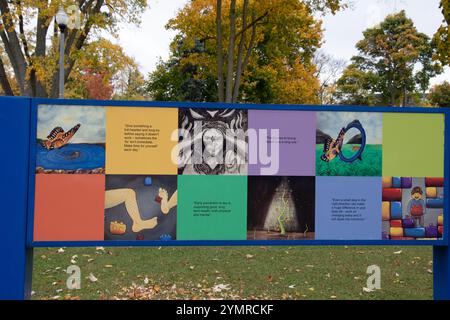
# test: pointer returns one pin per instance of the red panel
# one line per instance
(434, 182)
(396, 223)
(392, 194)
(402, 238)
(69, 207)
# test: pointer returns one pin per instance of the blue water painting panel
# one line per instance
(70, 139)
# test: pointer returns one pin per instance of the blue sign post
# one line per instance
(18, 171)
(17, 256)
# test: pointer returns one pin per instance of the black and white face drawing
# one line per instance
(212, 141)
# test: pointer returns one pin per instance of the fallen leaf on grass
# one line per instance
(108, 266)
(61, 250)
(249, 256)
(292, 286)
(92, 278)
(220, 287)
(398, 252)
(367, 290)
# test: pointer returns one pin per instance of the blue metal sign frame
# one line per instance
(19, 119)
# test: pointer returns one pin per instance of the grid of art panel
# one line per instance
(150, 173)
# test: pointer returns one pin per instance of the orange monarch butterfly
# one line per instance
(58, 138)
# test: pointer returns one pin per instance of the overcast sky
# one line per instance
(92, 120)
(341, 32)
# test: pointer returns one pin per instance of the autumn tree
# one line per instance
(395, 62)
(30, 39)
(441, 39)
(103, 71)
(440, 95)
(257, 51)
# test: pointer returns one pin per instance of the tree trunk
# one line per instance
(240, 53)
(219, 50)
(230, 54)
(392, 91)
(4, 81)
(40, 50)
(13, 48)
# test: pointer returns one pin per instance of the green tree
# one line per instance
(30, 39)
(356, 86)
(242, 50)
(394, 65)
(184, 76)
(440, 95)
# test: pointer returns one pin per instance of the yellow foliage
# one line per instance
(286, 36)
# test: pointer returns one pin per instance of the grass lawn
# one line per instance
(370, 165)
(234, 273)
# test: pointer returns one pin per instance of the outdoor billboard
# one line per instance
(164, 175)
